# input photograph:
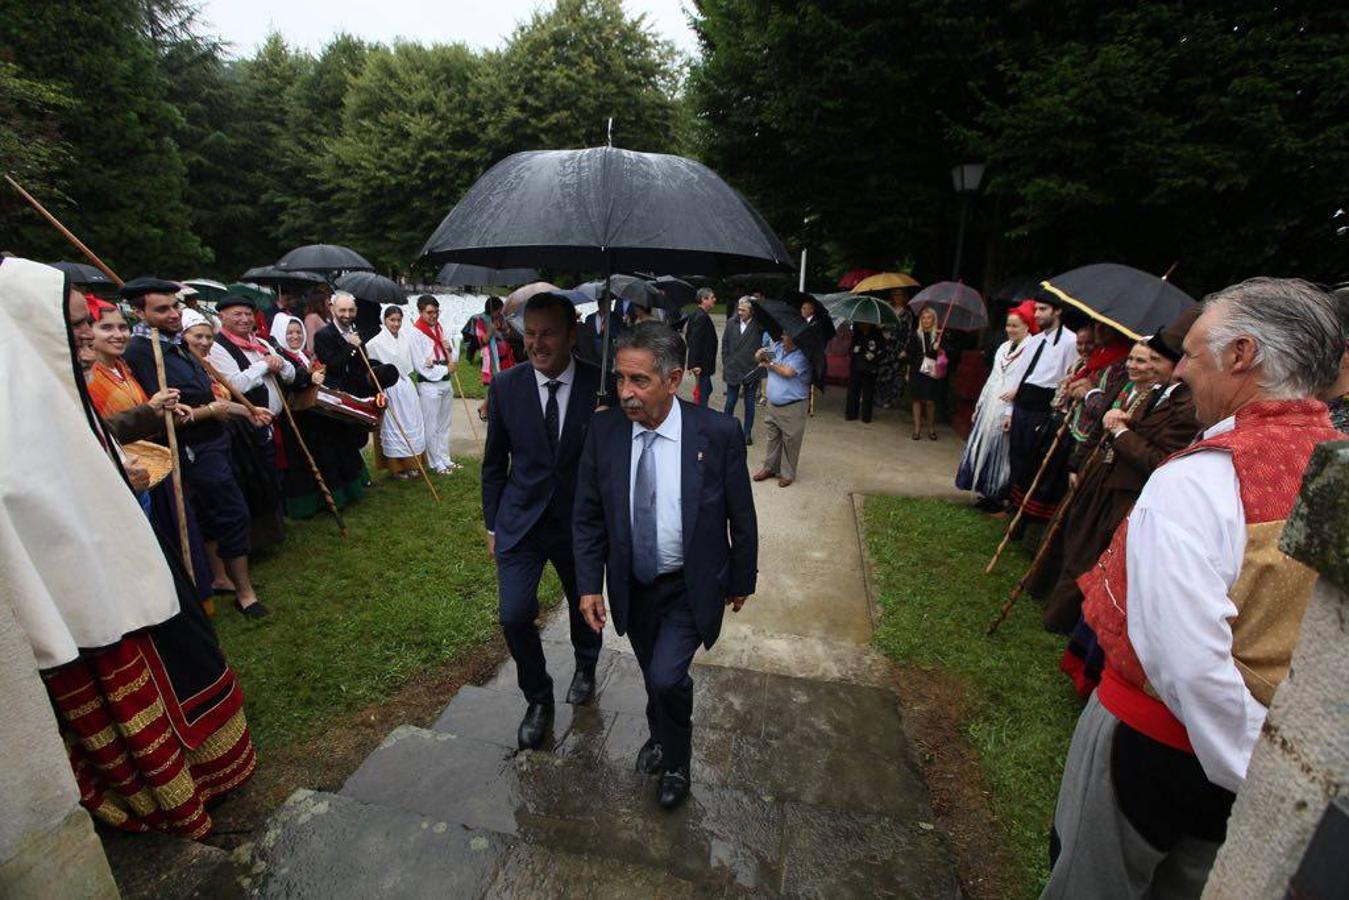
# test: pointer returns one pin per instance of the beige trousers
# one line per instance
(786, 426)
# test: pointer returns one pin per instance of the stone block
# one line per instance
(1317, 531)
(494, 716)
(64, 861)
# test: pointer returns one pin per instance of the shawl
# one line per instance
(114, 389)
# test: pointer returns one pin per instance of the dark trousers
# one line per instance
(704, 389)
(861, 392)
(664, 639)
(217, 500)
(519, 570)
(733, 393)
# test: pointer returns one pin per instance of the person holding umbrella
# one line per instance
(788, 389)
(701, 336)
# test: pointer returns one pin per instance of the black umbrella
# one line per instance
(271, 276)
(823, 322)
(678, 292)
(460, 274)
(1129, 300)
(371, 290)
(83, 273)
(324, 259)
(777, 316)
(626, 287)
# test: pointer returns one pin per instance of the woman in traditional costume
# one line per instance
(151, 713)
(399, 443)
(985, 467)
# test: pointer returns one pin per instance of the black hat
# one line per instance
(139, 287)
(1168, 342)
(234, 300)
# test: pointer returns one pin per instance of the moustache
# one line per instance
(631, 403)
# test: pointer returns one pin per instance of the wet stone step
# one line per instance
(326, 845)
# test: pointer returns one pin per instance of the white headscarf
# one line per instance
(192, 318)
(396, 351)
(279, 325)
(78, 559)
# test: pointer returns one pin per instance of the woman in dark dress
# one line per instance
(927, 372)
(893, 367)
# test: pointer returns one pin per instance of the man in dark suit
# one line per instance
(701, 335)
(664, 510)
(338, 346)
(538, 417)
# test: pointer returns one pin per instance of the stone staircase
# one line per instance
(801, 787)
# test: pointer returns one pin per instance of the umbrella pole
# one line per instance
(374, 380)
(1035, 483)
(607, 308)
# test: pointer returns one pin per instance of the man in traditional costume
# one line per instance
(151, 713)
(436, 383)
(339, 347)
(1195, 607)
(204, 446)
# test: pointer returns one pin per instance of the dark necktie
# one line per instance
(644, 550)
(550, 415)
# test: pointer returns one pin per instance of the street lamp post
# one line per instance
(965, 179)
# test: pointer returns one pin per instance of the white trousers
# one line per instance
(437, 408)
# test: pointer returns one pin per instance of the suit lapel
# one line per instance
(691, 447)
(576, 400)
(621, 461)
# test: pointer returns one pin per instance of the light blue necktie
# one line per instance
(645, 553)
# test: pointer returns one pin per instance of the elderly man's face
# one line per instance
(163, 311)
(344, 311)
(1219, 380)
(745, 311)
(237, 320)
(77, 314)
(645, 396)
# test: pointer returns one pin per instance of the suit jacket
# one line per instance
(701, 336)
(721, 532)
(590, 345)
(738, 365)
(521, 478)
(346, 369)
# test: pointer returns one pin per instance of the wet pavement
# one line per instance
(804, 783)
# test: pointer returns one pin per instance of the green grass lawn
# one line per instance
(409, 589)
(936, 601)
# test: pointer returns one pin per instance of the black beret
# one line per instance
(235, 300)
(139, 287)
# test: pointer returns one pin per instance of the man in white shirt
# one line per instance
(1196, 609)
(1047, 358)
(436, 383)
(248, 363)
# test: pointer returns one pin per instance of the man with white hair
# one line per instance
(1194, 605)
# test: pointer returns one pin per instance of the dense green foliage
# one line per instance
(1019, 711)
(1209, 133)
(167, 156)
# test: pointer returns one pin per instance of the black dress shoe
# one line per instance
(582, 688)
(649, 758)
(674, 787)
(534, 725)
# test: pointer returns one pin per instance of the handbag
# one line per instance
(933, 368)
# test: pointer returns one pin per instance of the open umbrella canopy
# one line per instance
(777, 316)
(259, 296)
(851, 278)
(83, 273)
(324, 259)
(372, 288)
(630, 288)
(957, 305)
(860, 308)
(1131, 301)
(461, 274)
(823, 320)
(678, 292)
(206, 288)
(271, 276)
(884, 281)
(606, 210)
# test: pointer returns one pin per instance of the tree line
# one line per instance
(1209, 135)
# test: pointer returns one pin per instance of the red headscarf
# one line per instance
(1025, 311)
(96, 306)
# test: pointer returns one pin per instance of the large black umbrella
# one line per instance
(83, 273)
(626, 287)
(371, 290)
(460, 274)
(678, 292)
(777, 316)
(606, 210)
(823, 321)
(271, 276)
(324, 259)
(1129, 300)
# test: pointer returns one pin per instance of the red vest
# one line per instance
(1270, 447)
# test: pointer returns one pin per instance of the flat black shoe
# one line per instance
(674, 788)
(253, 610)
(582, 688)
(534, 725)
(650, 757)
(749, 442)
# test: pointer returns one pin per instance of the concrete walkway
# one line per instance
(804, 782)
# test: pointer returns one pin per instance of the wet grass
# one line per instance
(411, 588)
(936, 601)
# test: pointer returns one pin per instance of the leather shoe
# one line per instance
(762, 475)
(650, 757)
(785, 482)
(674, 788)
(582, 688)
(534, 725)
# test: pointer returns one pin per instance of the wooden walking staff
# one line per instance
(390, 410)
(1035, 483)
(468, 410)
(1056, 523)
(309, 457)
(56, 223)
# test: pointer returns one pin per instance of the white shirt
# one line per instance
(1056, 361)
(245, 380)
(743, 325)
(1187, 538)
(669, 508)
(563, 392)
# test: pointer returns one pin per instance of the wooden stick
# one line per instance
(1035, 483)
(388, 407)
(176, 471)
(459, 386)
(313, 466)
(56, 223)
(1055, 524)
